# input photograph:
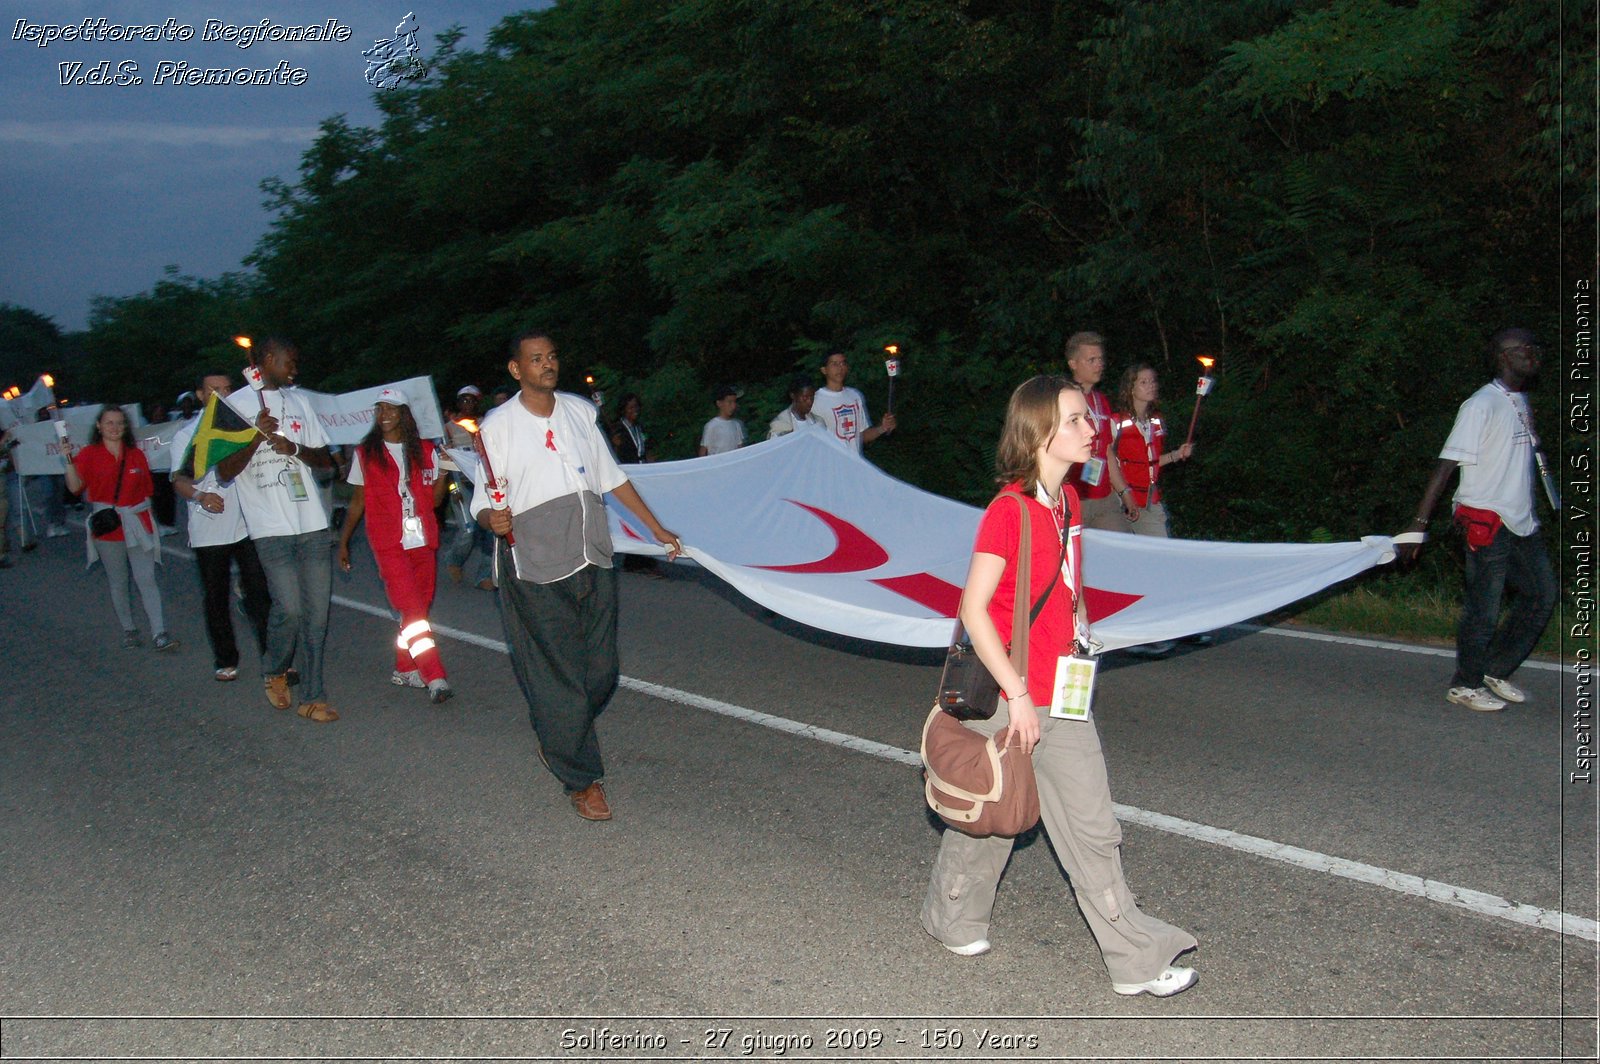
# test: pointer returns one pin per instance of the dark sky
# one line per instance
(103, 186)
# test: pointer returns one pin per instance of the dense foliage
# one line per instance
(1340, 200)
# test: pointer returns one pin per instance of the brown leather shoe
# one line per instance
(320, 712)
(591, 803)
(278, 692)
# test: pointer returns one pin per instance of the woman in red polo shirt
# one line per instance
(111, 474)
(397, 487)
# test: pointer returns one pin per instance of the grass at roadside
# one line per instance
(1402, 606)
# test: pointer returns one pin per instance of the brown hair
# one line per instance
(1125, 391)
(1082, 339)
(1032, 417)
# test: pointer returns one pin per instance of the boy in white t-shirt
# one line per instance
(722, 433)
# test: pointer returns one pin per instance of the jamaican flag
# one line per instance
(220, 433)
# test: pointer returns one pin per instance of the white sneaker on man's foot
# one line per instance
(971, 949)
(1505, 689)
(1477, 698)
(1174, 980)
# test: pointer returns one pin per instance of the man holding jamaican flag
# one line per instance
(217, 532)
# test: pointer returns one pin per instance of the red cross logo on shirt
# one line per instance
(294, 426)
(847, 424)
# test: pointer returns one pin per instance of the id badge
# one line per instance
(1092, 471)
(411, 536)
(1074, 687)
(297, 484)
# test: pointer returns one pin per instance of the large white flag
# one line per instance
(347, 417)
(807, 529)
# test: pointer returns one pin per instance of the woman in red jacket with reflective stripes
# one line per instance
(1138, 446)
(394, 475)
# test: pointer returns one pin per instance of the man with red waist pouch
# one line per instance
(1494, 445)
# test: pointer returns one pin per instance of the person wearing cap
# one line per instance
(287, 520)
(557, 587)
(724, 432)
(220, 542)
(1494, 445)
(469, 402)
(395, 483)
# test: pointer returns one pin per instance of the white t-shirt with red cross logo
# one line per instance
(844, 412)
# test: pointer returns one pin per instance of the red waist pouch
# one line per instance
(1479, 526)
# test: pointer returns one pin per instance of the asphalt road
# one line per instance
(188, 873)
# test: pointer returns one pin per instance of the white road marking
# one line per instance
(1378, 644)
(1433, 890)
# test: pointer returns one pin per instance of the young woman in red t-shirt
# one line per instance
(1047, 430)
(113, 464)
(396, 486)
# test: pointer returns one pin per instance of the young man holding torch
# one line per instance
(546, 466)
(844, 410)
(283, 510)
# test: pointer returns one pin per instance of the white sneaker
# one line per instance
(1505, 689)
(407, 679)
(1477, 698)
(971, 949)
(1173, 980)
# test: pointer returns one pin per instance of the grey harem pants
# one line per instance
(1075, 805)
(563, 642)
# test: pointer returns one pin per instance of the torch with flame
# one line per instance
(497, 494)
(1202, 389)
(891, 366)
(252, 372)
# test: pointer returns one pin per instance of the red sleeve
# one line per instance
(1000, 529)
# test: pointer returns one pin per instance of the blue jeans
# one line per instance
(300, 577)
(1484, 645)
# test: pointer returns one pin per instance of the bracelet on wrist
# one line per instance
(1019, 694)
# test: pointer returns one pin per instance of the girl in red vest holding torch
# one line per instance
(396, 485)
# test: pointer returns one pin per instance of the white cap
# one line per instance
(394, 397)
(469, 389)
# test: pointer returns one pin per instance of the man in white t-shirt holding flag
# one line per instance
(844, 410)
(1494, 445)
(283, 508)
(547, 467)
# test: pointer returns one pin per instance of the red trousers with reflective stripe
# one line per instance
(408, 580)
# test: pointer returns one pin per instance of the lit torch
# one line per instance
(1202, 388)
(252, 372)
(497, 493)
(891, 366)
